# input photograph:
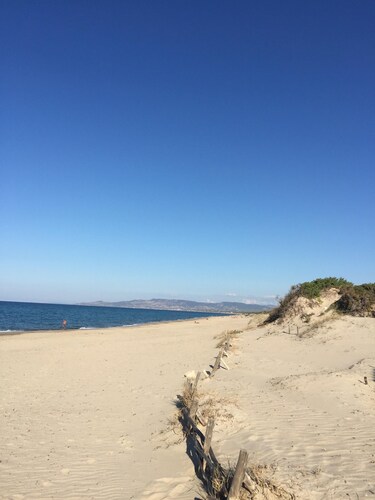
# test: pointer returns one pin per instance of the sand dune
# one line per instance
(302, 407)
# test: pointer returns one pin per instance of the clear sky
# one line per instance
(192, 149)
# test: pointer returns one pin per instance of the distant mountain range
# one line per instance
(184, 305)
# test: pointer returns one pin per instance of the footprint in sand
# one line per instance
(125, 442)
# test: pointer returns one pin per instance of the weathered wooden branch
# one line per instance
(206, 459)
(193, 409)
(239, 475)
(192, 413)
(195, 384)
(189, 422)
(217, 362)
(248, 483)
(208, 439)
(223, 364)
(200, 417)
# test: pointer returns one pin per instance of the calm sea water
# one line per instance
(23, 316)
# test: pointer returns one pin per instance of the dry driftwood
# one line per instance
(239, 474)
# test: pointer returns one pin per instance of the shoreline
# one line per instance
(134, 325)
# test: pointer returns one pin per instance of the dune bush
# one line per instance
(310, 290)
(313, 289)
(357, 300)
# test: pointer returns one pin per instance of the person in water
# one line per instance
(64, 322)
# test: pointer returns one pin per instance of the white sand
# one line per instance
(301, 407)
(85, 414)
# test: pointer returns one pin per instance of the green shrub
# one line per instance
(358, 300)
(313, 289)
(308, 289)
(284, 304)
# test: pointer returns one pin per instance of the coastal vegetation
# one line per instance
(357, 300)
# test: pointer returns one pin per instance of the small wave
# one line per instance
(87, 328)
(4, 332)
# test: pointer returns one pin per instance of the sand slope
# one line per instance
(302, 408)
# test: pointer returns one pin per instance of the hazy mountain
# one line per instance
(184, 305)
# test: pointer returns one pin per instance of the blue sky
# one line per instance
(205, 150)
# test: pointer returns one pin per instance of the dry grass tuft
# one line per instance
(218, 480)
(188, 395)
(172, 434)
(257, 320)
(182, 402)
(310, 330)
(263, 486)
(226, 337)
(256, 486)
(217, 407)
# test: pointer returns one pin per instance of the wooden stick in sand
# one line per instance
(223, 364)
(201, 418)
(217, 363)
(208, 439)
(239, 474)
(195, 384)
(193, 409)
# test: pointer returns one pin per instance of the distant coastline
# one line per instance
(184, 305)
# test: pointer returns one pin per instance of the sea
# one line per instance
(25, 316)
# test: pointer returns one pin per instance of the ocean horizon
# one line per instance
(32, 316)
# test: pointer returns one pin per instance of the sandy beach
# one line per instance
(84, 413)
(89, 414)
